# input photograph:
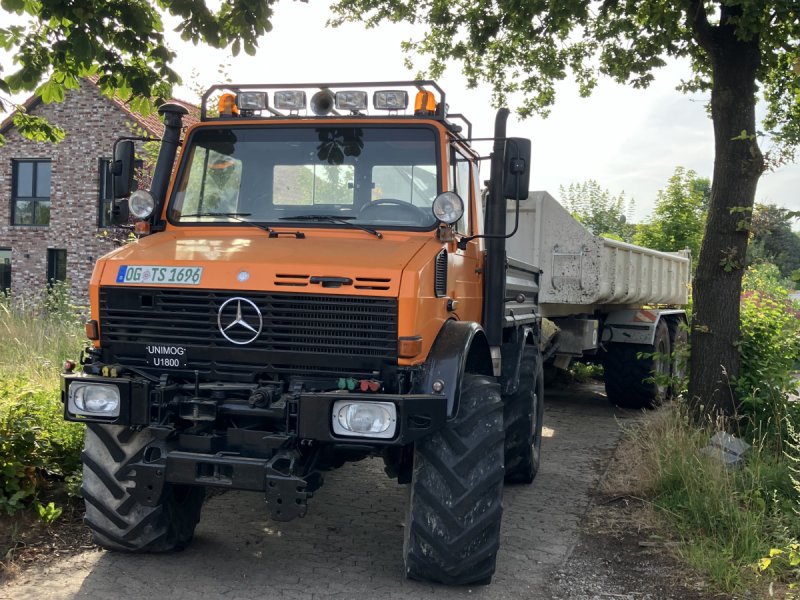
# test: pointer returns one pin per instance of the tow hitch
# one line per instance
(287, 494)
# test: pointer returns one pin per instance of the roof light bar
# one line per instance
(353, 100)
(290, 100)
(390, 100)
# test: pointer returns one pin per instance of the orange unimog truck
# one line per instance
(317, 279)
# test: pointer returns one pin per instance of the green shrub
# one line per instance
(38, 449)
(769, 351)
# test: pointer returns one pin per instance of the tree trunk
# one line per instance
(738, 164)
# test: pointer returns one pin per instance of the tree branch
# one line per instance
(697, 22)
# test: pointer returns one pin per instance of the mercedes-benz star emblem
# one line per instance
(239, 320)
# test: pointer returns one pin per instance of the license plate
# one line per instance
(147, 274)
(165, 356)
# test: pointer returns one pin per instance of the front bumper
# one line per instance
(307, 416)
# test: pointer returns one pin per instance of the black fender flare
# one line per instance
(461, 347)
(512, 352)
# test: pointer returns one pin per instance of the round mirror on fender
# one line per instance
(448, 207)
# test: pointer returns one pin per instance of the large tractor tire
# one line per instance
(522, 415)
(117, 519)
(455, 501)
(633, 382)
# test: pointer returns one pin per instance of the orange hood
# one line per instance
(233, 259)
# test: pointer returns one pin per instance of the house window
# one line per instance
(30, 195)
(106, 199)
(5, 269)
(56, 265)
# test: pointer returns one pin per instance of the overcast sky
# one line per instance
(628, 140)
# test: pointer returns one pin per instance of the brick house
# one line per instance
(55, 198)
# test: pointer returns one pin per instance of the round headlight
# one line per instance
(448, 207)
(141, 204)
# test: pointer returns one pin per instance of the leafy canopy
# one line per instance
(679, 217)
(526, 47)
(599, 211)
(773, 241)
(120, 42)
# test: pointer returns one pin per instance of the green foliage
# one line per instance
(48, 512)
(36, 444)
(727, 518)
(679, 217)
(783, 560)
(769, 350)
(121, 43)
(522, 49)
(599, 211)
(37, 447)
(772, 239)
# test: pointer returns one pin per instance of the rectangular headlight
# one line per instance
(287, 100)
(359, 418)
(93, 399)
(390, 100)
(251, 100)
(351, 100)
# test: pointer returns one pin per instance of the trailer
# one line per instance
(605, 301)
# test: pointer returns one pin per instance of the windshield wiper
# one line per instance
(236, 216)
(344, 220)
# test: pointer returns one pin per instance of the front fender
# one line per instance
(461, 347)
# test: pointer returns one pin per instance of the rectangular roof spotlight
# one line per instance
(251, 100)
(351, 100)
(290, 100)
(390, 100)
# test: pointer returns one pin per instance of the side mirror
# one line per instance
(517, 169)
(122, 169)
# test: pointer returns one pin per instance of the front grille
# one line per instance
(300, 332)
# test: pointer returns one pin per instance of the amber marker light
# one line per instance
(227, 105)
(141, 227)
(424, 103)
(92, 330)
(409, 347)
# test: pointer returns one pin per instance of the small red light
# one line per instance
(69, 366)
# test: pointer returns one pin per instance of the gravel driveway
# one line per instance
(349, 545)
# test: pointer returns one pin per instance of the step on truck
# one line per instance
(317, 279)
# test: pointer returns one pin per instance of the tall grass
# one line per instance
(727, 518)
(39, 451)
(37, 335)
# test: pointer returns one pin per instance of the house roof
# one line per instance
(152, 124)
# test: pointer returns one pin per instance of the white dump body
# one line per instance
(582, 272)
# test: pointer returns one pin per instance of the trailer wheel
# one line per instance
(455, 501)
(679, 342)
(117, 520)
(633, 382)
(522, 415)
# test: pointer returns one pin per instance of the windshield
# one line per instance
(372, 176)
